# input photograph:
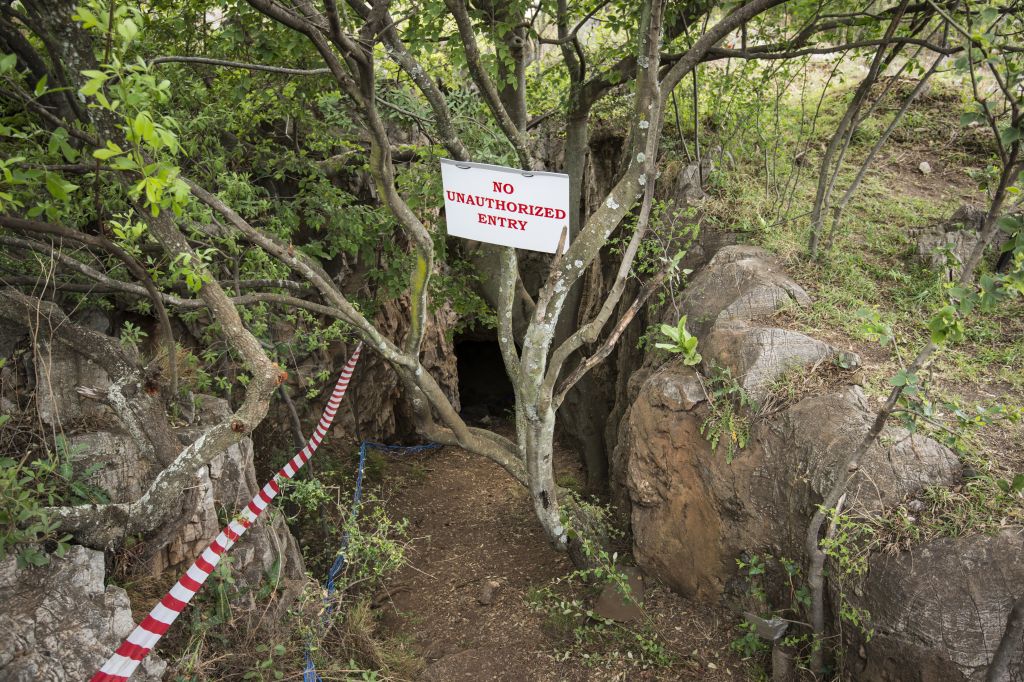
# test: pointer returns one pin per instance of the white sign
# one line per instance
(505, 206)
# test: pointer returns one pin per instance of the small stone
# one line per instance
(486, 595)
(916, 506)
(925, 168)
(612, 605)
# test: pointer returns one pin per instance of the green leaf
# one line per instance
(7, 62)
(1009, 135)
(91, 87)
(127, 29)
(111, 150)
(969, 117)
(1018, 483)
(58, 187)
(41, 86)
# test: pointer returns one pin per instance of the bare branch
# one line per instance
(26, 226)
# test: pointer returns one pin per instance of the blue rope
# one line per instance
(310, 674)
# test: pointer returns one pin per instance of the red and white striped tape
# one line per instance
(141, 641)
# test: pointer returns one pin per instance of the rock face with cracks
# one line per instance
(60, 622)
(938, 609)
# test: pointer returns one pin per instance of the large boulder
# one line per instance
(939, 609)
(60, 622)
(694, 513)
(738, 283)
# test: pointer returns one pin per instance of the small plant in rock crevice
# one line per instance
(683, 343)
(774, 591)
(27, 488)
(729, 420)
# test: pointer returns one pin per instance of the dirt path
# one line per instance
(473, 524)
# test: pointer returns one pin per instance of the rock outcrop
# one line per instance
(64, 622)
(938, 609)
(739, 283)
(958, 235)
(694, 513)
(60, 622)
(267, 551)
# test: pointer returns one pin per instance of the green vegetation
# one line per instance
(589, 638)
(245, 189)
(729, 420)
(28, 487)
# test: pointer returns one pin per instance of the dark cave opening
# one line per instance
(485, 391)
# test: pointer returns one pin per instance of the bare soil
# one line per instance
(472, 524)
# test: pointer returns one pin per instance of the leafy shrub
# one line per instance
(27, 488)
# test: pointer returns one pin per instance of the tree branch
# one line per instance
(26, 226)
(483, 81)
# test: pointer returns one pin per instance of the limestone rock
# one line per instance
(124, 474)
(959, 234)
(939, 609)
(61, 623)
(682, 183)
(228, 482)
(693, 513)
(58, 373)
(738, 283)
(758, 356)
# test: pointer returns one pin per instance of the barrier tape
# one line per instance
(309, 674)
(123, 662)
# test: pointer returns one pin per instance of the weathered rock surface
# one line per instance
(60, 623)
(58, 374)
(124, 474)
(939, 609)
(820, 431)
(375, 407)
(228, 482)
(758, 356)
(693, 513)
(622, 608)
(959, 234)
(76, 621)
(738, 283)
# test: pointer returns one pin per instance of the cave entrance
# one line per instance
(485, 391)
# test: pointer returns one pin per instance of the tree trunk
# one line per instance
(536, 433)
